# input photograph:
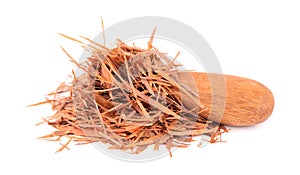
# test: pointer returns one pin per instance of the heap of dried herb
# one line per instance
(129, 98)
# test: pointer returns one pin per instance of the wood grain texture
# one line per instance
(232, 100)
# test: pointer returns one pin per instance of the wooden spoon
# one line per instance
(232, 100)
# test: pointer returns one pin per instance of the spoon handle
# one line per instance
(232, 100)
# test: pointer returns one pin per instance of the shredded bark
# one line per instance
(128, 98)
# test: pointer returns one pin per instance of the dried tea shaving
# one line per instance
(128, 98)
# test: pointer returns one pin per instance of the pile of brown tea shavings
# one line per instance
(129, 98)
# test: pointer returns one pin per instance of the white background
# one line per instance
(254, 39)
